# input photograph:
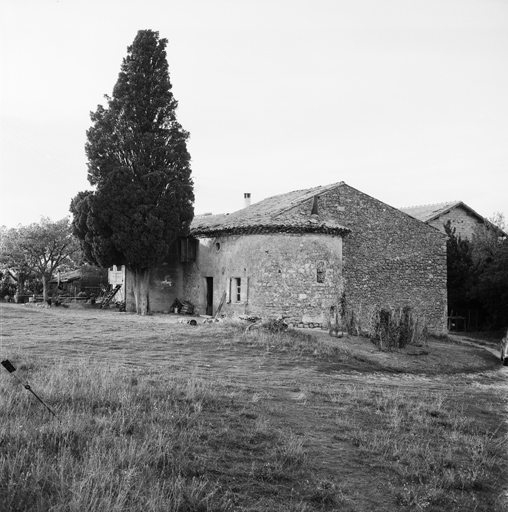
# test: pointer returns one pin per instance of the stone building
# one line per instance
(300, 253)
(461, 217)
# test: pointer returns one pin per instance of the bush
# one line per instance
(396, 328)
(275, 325)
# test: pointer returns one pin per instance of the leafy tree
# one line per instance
(490, 257)
(499, 220)
(8, 283)
(140, 167)
(460, 269)
(39, 248)
(13, 260)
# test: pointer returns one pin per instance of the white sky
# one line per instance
(405, 100)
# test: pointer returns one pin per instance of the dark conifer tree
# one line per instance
(140, 167)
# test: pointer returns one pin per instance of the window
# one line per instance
(320, 272)
(238, 290)
(187, 249)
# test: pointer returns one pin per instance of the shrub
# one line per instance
(275, 325)
(396, 328)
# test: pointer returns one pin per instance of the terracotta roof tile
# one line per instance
(272, 215)
(428, 212)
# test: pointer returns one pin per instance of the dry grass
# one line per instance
(264, 432)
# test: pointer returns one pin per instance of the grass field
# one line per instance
(159, 416)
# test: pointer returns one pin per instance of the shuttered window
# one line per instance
(188, 249)
(238, 290)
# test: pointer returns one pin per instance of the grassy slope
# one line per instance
(158, 416)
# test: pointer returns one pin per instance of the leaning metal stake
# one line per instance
(10, 368)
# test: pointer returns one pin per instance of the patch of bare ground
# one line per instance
(157, 415)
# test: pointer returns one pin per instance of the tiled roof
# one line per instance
(431, 211)
(277, 214)
(72, 275)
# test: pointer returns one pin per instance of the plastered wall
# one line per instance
(287, 274)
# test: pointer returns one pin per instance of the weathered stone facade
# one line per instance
(462, 220)
(391, 259)
(297, 275)
(461, 217)
(298, 254)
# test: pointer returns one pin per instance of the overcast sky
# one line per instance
(405, 100)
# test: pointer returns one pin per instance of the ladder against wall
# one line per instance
(110, 295)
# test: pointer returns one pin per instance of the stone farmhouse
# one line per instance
(461, 217)
(300, 253)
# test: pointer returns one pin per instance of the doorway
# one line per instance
(209, 295)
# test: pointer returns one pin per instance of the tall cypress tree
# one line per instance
(140, 167)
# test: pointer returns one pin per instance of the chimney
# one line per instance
(246, 199)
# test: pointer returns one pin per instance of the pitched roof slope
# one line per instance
(429, 212)
(274, 214)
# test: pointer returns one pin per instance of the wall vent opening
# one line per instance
(315, 206)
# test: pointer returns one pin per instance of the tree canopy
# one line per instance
(140, 167)
(478, 272)
(39, 248)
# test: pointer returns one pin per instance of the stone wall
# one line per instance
(166, 283)
(285, 274)
(464, 222)
(390, 259)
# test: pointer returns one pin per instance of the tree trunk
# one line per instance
(20, 287)
(141, 282)
(45, 286)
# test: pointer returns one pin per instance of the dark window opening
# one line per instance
(320, 272)
(187, 249)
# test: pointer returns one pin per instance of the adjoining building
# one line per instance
(461, 217)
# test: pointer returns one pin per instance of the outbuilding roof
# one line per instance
(277, 214)
(428, 212)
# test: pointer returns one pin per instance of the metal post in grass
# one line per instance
(11, 369)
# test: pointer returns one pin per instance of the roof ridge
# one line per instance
(432, 204)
